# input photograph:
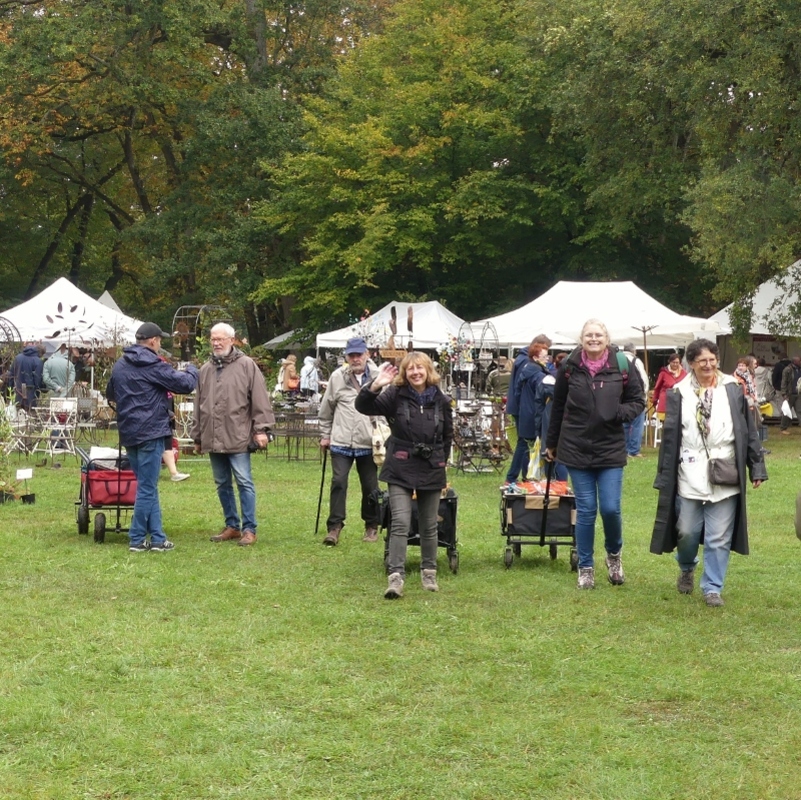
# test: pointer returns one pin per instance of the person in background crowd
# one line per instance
(789, 390)
(499, 379)
(58, 374)
(291, 379)
(27, 370)
(309, 377)
(519, 463)
(421, 420)
(536, 395)
(232, 416)
(595, 394)
(668, 377)
(776, 374)
(348, 435)
(764, 385)
(707, 417)
(139, 384)
(634, 429)
(170, 455)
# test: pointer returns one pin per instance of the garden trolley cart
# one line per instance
(544, 519)
(446, 526)
(107, 484)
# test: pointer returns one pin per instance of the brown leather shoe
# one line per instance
(226, 534)
(370, 534)
(332, 537)
(248, 537)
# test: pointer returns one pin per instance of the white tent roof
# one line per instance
(107, 300)
(771, 299)
(432, 324)
(630, 314)
(63, 313)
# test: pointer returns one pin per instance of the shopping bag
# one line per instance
(535, 470)
(787, 411)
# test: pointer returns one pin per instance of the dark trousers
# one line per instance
(793, 401)
(368, 477)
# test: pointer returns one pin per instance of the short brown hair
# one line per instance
(541, 342)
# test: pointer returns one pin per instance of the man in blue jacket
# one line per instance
(27, 376)
(139, 384)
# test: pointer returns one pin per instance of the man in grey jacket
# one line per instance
(59, 373)
(348, 436)
(232, 416)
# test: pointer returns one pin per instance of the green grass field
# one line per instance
(279, 671)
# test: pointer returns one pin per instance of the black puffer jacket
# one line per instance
(412, 424)
(588, 413)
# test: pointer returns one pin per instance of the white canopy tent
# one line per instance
(432, 324)
(771, 300)
(63, 313)
(630, 314)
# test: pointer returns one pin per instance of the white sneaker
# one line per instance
(179, 476)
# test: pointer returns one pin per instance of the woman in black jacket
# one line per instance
(421, 421)
(595, 394)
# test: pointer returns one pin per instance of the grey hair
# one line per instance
(223, 327)
(599, 324)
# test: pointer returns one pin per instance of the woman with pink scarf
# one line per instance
(595, 394)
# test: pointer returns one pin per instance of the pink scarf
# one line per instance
(593, 366)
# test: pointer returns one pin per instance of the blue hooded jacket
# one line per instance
(28, 370)
(138, 385)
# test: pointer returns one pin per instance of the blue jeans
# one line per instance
(223, 466)
(519, 460)
(594, 488)
(145, 461)
(716, 522)
(634, 431)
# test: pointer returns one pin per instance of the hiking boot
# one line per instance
(332, 537)
(370, 534)
(248, 538)
(226, 534)
(142, 547)
(586, 578)
(394, 587)
(713, 599)
(161, 547)
(685, 583)
(429, 577)
(179, 476)
(615, 568)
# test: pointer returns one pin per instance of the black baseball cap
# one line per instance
(147, 330)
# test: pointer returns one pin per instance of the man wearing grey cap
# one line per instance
(348, 435)
(138, 386)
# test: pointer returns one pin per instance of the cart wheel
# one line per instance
(517, 549)
(100, 528)
(573, 560)
(83, 519)
(508, 557)
(453, 562)
(552, 551)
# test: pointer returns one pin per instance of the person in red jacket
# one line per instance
(668, 377)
